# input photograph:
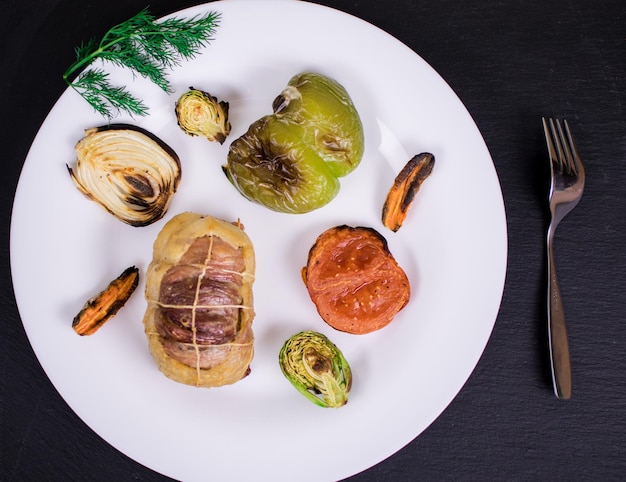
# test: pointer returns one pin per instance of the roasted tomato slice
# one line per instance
(354, 280)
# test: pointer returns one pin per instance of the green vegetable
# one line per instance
(316, 368)
(291, 161)
(333, 125)
(289, 176)
(200, 114)
(144, 45)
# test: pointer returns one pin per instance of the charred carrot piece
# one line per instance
(404, 189)
(107, 303)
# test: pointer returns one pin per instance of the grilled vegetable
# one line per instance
(199, 292)
(332, 123)
(404, 189)
(354, 281)
(107, 303)
(200, 114)
(316, 368)
(291, 161)
(128, 171)
(288, 177)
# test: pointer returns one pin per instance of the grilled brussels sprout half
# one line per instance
(316, 368)
(291, 161)
(200, 114)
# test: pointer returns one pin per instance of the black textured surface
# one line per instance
(510, 63)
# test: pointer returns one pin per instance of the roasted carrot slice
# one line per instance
(404, 189)
(107, 303)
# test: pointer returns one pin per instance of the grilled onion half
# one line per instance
(129, 171)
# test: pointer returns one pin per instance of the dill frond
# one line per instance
(147, 47)
(105, 98)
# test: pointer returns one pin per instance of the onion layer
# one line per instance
(128, 171)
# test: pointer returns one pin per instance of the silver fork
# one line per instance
(566, 188)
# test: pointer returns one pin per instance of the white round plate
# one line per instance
(453, 246)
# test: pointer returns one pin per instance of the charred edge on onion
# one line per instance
(150, 211)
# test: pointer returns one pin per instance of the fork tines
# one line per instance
(561, 147)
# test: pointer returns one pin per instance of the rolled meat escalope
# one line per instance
(200, 308)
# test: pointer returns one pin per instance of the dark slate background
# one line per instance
(510, 62)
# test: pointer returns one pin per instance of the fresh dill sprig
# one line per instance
(144, 45)
(94, 86)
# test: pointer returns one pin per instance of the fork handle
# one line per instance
(557, 334)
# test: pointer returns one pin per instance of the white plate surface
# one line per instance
(453, 247)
